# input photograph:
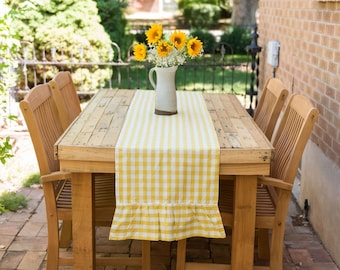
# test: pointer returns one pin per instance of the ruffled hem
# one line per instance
(166, 222)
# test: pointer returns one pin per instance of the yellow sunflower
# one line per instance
(154, 33)
(178, 38)
(163, 48)
(194, 47)
(139, 50)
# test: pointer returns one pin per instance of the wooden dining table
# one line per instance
(88, 146)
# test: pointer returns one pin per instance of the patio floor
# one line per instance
(23, 242)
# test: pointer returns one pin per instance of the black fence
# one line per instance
(212, 72)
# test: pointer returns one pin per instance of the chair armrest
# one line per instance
(55, 176)
(274, 182)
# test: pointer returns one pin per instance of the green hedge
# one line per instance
(201, 16)
(207, 38)
(238, 38)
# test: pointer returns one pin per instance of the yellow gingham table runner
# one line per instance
(167, 170)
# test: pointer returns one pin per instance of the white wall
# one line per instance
(320, 184)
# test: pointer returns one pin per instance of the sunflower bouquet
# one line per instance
(167, 51)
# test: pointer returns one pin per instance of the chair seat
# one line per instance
(265, 206)
(104, 194)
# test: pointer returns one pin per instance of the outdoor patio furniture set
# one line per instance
(75, 149)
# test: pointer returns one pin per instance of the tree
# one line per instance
(68, 26)
(244, 12)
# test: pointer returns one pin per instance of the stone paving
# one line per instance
(23, 242)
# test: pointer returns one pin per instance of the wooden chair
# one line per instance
(270, 105)
(274, 191)
(43, 122)
(65, 96)
(68, 105)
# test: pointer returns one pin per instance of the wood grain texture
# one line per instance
(92, 138)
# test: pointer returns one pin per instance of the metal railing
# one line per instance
(214, 72)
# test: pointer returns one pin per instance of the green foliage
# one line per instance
(2, 209)
(32, 179)
(140, 36)
(183, 3)
(201, 15)
(113, 19)
(73, 28)
(5, 149)
(241, 58)
(9, 45)
(11, 201)
(226, 8)
(238, 38)
(207, 38)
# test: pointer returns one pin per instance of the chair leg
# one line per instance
(52, 244)
(181, 254)
(263, 244)
(276, 249)
(66, 234)
(146, 255)
(277, 238)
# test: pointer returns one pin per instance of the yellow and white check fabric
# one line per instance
(167, 170)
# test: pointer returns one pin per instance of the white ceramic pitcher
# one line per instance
(166, 99)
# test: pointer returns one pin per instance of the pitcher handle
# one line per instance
(151, 77)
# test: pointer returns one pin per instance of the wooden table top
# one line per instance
(88, 145)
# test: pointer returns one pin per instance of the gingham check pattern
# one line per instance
(167, 170)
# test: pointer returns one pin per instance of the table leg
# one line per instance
(181, 254)
(242, 256)
(83, 226)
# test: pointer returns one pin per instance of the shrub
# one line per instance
(9, 46)
(201, 15)
(10, 201)
(238, 38)
(207, 38)
(33, 179)
(73, 29)
(227, 10)
(183, 3)
(140, 36)
(5, 149)
(116, 25)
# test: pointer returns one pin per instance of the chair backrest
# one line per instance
(292, 135)
(66, 98)
(43, 123)
(270, 105)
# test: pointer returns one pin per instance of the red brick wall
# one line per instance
(309, 36)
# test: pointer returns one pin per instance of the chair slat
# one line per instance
(270, 105)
